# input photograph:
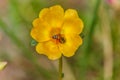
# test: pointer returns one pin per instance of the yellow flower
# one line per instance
(57, 32)
(2, 65)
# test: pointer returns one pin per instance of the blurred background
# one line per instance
(97, 59)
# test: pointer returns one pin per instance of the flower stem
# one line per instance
(60, 68)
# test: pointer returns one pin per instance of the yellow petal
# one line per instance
(36, 22)
(43, 13)
(2, 65)
(72, 23)
(71, 13)
(40, 32)
(71, 45)
(49, 49)
(53, 15)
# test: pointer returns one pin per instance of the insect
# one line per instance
(56, 37)
(62, 40)
(59, 38)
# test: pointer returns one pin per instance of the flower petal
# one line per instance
(71, 45)
(40, 32)
(49, 49)
(53, 16)
(72, 23)
(71, 13)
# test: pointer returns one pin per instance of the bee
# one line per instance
(56, 37)
(62, 40)
(59, 38)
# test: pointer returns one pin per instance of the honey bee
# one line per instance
(56, 37)
(59, 38)
(62, 40)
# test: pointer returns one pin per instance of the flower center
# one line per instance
(59, 38)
